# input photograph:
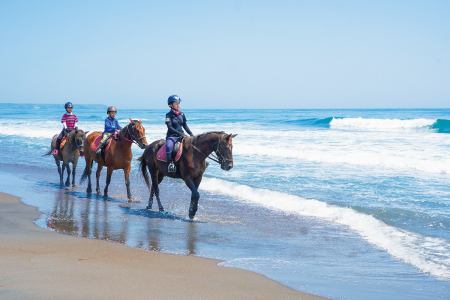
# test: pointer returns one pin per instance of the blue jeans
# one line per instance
(170, 141)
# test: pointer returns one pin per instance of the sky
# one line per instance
(227, 54)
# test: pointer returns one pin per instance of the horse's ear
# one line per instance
(132, 121)
(233, 135)
(86, 132)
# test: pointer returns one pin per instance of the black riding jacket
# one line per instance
(175, 124)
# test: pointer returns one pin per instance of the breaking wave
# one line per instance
(429, 254)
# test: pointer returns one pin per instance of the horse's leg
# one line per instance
(150, 200)
(126, 172)
(68, 175)
(61, 178)
(194, 197)
(89, 171)
(73, 173)
(160, 177)
(97, 176)
(57, 161)
(108, 181)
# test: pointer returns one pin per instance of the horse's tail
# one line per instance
(143, 168)
(48, 152)
(85, 173)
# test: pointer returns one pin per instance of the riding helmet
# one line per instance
(111, 108)
(68, 104)
(173, 98)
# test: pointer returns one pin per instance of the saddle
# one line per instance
(177, 151)
(97, 141)
(63, 142)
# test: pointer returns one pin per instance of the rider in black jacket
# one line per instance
(175, 121)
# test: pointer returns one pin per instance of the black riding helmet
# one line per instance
(173, 98)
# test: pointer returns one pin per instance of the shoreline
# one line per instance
(37, 263)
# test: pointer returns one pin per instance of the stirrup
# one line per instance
(55, 152)
(172, 168)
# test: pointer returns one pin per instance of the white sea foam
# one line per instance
(47, 129)
(363, 158)
(415, 151)
(429, 254)
(380, 123)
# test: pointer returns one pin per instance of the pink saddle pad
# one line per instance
(97, 141)
(162, 153)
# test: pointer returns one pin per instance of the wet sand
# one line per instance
(39, 264)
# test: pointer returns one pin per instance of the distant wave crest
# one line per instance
(380, 123)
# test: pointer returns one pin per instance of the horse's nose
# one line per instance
(229, 167)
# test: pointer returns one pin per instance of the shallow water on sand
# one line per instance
(290, 249)
(346, 204)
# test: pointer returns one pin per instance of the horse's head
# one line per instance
(138, 133)
(78, 140)
(225, 151)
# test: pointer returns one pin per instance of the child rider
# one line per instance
(111, 125)
(175, 121)
(69, 121)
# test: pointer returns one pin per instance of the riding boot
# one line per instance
(55, 151)
(170, 165)
(99, 149)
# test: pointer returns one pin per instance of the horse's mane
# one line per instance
(123, 131)
(193, 140)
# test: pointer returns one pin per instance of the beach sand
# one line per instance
(39, 264)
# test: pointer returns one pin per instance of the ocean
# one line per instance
(344, 204)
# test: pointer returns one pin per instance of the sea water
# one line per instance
(345, 204)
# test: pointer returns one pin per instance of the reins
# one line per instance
(132, 135)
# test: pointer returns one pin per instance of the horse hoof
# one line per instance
(74, 185)
(89, 191)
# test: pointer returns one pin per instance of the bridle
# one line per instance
(218, 157)
(132, 134)
(77, 145)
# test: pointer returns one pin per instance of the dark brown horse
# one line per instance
(69, 154)
(191, 165)
(118, 156)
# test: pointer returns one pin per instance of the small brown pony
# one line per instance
(118, 156)
(190, 167)
(69, 154)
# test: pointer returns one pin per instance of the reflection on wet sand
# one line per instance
(93, 217)
(192, 238)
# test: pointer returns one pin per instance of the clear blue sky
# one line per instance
(227, 54)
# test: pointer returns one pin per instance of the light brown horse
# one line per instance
(69, 154)
(118, 156)
(191, 165)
